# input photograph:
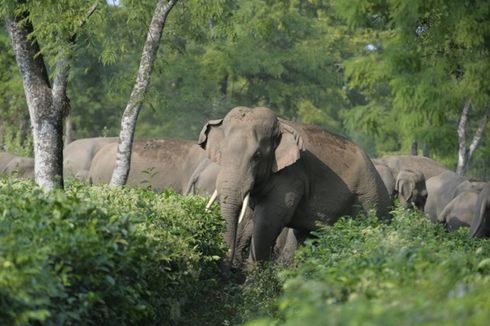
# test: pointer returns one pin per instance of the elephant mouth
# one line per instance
(245, 203)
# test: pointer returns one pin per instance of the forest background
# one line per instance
(386, 74)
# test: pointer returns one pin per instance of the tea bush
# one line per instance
(410, 272)
(95, 255)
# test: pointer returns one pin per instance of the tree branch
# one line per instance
(60, 82)
(462, 154)
(478, 134)
(130, 115)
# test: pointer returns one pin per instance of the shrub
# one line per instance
(96, 255)
(361, 272)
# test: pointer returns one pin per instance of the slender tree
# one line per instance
(465, 153)
(47, 103)
(130, 115)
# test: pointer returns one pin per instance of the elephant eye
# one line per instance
(257, 155)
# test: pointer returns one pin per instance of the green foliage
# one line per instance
(430, 58)
(409, 272)
(14, 116)
(100, 255)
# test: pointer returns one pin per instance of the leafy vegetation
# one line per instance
(385, 73)
(408, 272)
(99, 255)
(94, 254)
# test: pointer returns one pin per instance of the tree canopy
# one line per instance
(384, 73)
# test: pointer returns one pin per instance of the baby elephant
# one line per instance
(410, 186)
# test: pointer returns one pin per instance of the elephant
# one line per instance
(459, 211)
(20, 166)
(5, 158)
(293, 175)
(159, 164)
(78, 155)
(480, 225)
(441, 189)
(429, 168)
(203, 179)
(410, 187)
(386, 174)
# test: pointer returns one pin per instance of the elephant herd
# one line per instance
(275, 180)
(443, 195)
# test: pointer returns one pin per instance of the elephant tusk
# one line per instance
(211, 200)
(244, 208)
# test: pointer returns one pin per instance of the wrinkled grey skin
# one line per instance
(429, 168)
(441, 189)
(386, 174)
(78, 155)
(203, 179)
(159, 164)
(480, 225)
(459, 212)
(22, 167)
(296, 175)
(411, 190)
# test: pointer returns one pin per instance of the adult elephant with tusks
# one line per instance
(292, 174)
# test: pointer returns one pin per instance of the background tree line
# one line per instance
(384, 73)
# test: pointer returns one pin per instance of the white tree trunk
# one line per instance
(46, 114)
(130, 115)
(464, 153)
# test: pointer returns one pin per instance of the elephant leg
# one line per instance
(274, 211)
(293, 240)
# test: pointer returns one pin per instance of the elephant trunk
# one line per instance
(233, 197)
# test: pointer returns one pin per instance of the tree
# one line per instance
(465, 153)
(431, 57)
(130, 115)
(14, 117)
(47, 103)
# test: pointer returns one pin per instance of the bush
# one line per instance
(96, 255)
(361, 272)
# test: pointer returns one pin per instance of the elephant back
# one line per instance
(429, 168)
(346, 164)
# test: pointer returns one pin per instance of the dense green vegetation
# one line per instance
(385, 73)
(93, 254)
(100, 255)
(410, 272)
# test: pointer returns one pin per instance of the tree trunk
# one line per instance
(130, 115)
(46, 113)
(47, 105)
(465, 154)
(462, 155)
(414, 149)
(425, 151)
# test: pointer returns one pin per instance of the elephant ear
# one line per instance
(404, 188)
(210, 138)
(289, 148)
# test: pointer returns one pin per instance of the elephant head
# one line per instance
(249, 145)
(480, 225)
(411, 188)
